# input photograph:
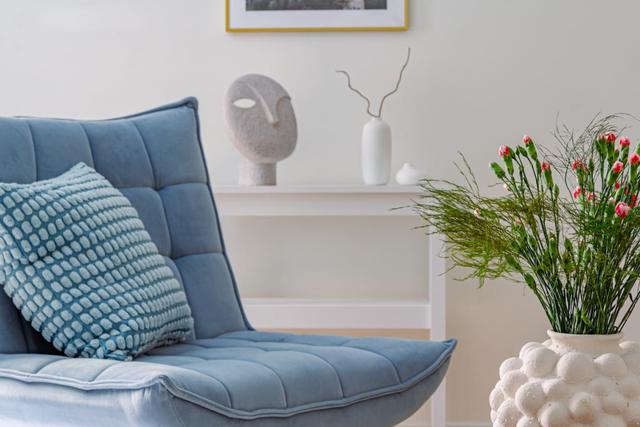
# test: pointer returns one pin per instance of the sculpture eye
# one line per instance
(244, 103)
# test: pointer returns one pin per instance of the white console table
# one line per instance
(351, 201)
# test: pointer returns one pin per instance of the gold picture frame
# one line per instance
(403, 27)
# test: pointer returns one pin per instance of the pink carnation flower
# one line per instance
(625, 142)
(504, 151)
(622, 209)
(545, 166)
(577, 192)
(577, 164)
(526, 139)
(618, 166)
(634, 158)
(610, 137)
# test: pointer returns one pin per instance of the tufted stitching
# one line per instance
(226, 389)
(283, 340)
(391, 362)
(254, 362)
(155, 188)
(326, 362)
(166, 221)
(178, 271)
(395, 368)
(86, 135)
(46, 365)
(101, 372)
(146, 152)
(320, 358)
(33, 144)
(344, 344)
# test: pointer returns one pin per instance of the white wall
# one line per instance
(483, 73)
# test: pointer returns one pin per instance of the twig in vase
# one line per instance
(384, 98)
(362, 95)
(404, 67)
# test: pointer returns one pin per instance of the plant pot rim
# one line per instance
(553, 334)
(592, 344)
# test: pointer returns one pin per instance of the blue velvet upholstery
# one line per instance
(156, 160)
(227, 374)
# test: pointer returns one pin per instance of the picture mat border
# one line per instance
(230, 29)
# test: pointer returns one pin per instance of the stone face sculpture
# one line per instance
(262, 125)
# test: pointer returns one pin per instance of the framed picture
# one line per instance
(317, 15)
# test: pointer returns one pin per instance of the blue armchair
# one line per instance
(227, 374)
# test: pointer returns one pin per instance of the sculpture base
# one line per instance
(257, 173)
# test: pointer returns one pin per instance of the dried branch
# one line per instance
(358, 92)
(404, 67)
(363, 96)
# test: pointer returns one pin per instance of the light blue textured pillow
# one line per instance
(78, 263)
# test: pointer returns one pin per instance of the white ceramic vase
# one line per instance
(376, 152)
(570, 380)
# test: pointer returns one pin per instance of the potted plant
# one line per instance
(567, 225)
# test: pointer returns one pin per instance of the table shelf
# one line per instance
(349, 200)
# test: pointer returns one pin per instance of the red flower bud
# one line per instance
(577, 164)
(526, 139)
(634, 158)
(545, 166)
(610, 137)
(577, 192)
(625, 142)
(617, 185)
(617, 167)
(504, 151)
(622, 209)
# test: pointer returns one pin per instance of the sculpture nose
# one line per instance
(272, 115)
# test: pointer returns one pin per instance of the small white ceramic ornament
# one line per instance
(262, 125)
(409, 175)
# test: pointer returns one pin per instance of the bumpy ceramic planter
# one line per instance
(570, 381)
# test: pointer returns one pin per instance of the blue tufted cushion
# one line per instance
(80, 266)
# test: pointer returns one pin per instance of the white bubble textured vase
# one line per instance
(570, 381)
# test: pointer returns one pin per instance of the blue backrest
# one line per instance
(155, 158)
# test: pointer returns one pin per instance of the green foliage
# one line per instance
(577, 250)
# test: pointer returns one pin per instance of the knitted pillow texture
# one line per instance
(77, 262)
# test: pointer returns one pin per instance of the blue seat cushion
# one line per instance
(245, 375)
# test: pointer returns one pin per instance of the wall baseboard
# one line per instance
(449, 424)
(283, 313)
